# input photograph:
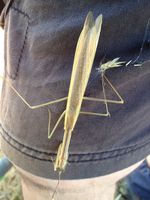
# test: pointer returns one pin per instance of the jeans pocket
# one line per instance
(16, 31)
(6, 4)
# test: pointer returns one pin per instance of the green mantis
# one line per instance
(82, 65)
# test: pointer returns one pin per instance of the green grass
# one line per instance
(10, 186)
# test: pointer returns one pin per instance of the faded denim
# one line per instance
(40, 41)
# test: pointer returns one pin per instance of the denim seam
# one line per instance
(71, 156)
(21, 12)
(13, 76)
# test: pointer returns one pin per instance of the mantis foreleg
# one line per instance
(62, 154)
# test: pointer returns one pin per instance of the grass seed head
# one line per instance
(110, 64)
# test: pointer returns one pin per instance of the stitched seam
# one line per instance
(21, 12)
(71, 156)
(23, 145)
(83, 154)
(22, 50)
(43, 159)
(69, 160)
(13, 76)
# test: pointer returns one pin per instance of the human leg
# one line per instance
(100, 188)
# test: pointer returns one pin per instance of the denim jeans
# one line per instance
(40, 41)
(136, 185)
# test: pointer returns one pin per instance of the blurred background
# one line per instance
(10, 186)
(1, 54)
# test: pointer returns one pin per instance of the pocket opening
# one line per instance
(5, 12)
(16, 33)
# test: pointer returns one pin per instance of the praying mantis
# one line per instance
(82, 65)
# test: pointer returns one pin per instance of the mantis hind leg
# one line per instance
(105, 100)
(50, 133)
(104, 93)
(121, 101)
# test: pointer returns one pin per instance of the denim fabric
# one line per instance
(136, 185)
(5, 166)
(1, 6)
(139, 181)
(1, 15)
(40, 41)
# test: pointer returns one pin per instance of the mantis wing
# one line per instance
(83, 60)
